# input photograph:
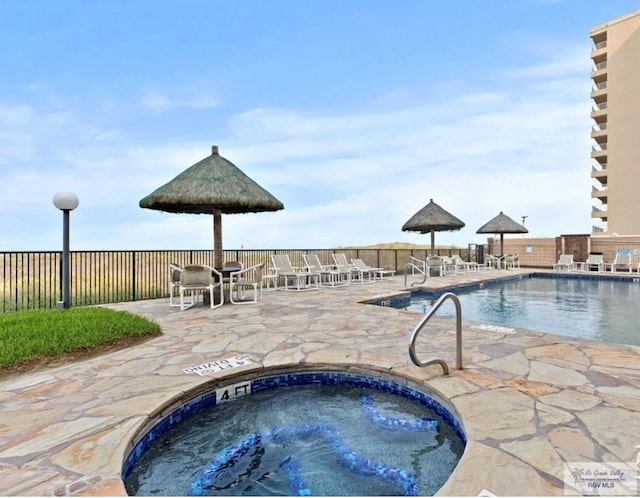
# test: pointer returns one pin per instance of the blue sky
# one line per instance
(352, 113)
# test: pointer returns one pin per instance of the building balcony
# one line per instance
(600, 136)
(599, 110)
(598, 37)
(601, 140)
(599, 92)
(601, 195)
(599, 56)
(600, 175)
(596, 212)
(599, 71)
(601, 121)
(599, 151)
(601, 160)
(599, 66)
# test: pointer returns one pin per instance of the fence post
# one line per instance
(133, 276)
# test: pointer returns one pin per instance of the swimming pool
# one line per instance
(320, 433)
(600, 309)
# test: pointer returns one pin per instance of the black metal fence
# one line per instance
(32, 280)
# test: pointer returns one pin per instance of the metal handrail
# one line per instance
(423, 322)
(413, 266)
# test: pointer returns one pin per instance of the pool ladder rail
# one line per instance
(423, 322)
(416, 265)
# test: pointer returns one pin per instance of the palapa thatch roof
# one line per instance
(210, 184)
(432, 218)
(502, 224)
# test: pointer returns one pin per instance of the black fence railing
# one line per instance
(32, 280)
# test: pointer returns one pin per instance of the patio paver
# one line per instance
(528, 401)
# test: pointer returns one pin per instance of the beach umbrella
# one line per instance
(214, 186)
(502, 224)
(430, 219)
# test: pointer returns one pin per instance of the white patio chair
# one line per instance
(565, 262)
(435, 265)
(247, 278)
(381, 272)
(463, 266)
(364, 272)
(511, 261)
(494, 261)
(344, 266)
(300, 280)
(174, 283)
(594, 261)
(195, 279)
(621, 261)
(449, 266)
(329, 276)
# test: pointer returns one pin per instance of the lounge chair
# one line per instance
(621, 261)
(198, 278)
(565, 262)
(344, 266)
(299, 280)
(511, 261)
(241, 280)
(463, 266)
(364, 273)
(362, 266)
(494, 261)
(329, 276)
(593, 262)
(448, 265)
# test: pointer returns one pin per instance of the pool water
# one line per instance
(265, 443)
(602, 310)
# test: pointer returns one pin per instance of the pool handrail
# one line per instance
(423, 322)
(413, 266)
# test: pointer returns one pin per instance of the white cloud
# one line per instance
(156, 101)
(345, 178)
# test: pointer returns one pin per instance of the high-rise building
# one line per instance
(616, 125)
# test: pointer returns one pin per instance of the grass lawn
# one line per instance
(32, 338)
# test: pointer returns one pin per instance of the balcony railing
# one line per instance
(599, 45)
(599, 86)
(600, 65)
(600, 107)
(32, 280)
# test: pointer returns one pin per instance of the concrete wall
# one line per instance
(544, 252)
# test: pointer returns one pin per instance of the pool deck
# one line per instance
(528, 401)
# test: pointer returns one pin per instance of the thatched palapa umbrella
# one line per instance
(213, 185)
(502, 224)
(430, 219)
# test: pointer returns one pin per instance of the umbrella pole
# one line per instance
(501, 244)
(217, 238)
(433, 242)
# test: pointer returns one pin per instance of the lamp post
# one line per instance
(66, 202)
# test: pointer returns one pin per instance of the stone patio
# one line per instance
(528, 401)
